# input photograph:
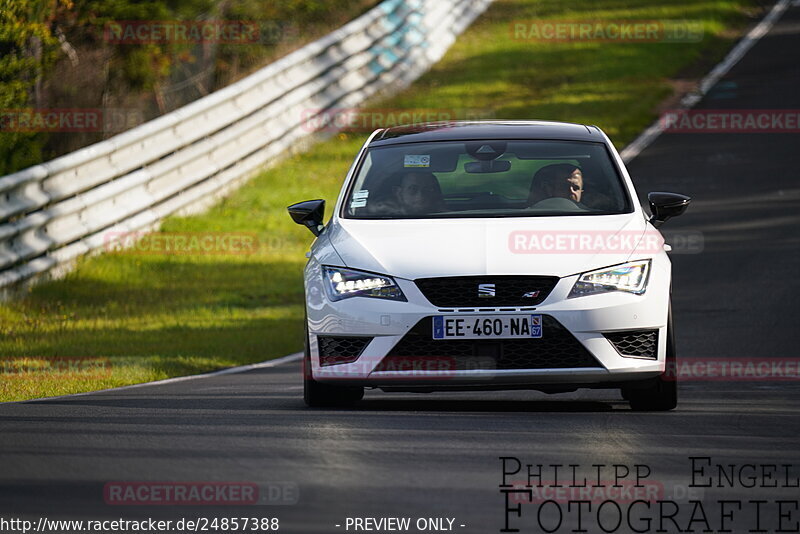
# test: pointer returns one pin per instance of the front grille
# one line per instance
(336, 349)
(556, 349)
(462, 291)
(639, 343)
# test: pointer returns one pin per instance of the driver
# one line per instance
(560, 180)
(412, 193)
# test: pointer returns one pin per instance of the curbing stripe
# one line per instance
(229, 371)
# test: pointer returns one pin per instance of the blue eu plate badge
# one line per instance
(438, 327)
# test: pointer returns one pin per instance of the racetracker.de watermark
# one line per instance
(735, 369)
(625, 491)
(182, 32)
(367, 120)
(61, 367)
(200, 493)
(69, 119)
(620, 31)
(182, 243)
(603, 242)
(405, 367)
(731, 121)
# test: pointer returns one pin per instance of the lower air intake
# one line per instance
(556, 349)
(334, 350)
(636, 343)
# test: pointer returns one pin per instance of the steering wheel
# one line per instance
(559, 204)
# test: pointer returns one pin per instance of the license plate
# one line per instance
(487, 326)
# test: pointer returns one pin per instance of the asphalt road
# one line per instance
(437, 455)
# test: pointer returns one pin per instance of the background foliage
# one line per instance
(53, 54)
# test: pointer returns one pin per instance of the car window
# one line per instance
(490, 178)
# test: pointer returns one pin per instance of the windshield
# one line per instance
(493, 178)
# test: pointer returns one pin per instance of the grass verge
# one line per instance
(151, 315)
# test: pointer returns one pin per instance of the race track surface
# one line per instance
(437, 455)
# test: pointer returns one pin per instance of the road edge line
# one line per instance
(651, 133)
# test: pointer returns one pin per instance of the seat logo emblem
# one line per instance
(486, 290)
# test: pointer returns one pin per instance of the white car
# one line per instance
(487, 256)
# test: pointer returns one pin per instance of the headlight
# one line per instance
(630, 277)
(343, 283)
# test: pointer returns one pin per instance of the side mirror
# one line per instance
(309, 213)
(664, 206)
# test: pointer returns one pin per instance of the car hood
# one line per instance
(554, 246)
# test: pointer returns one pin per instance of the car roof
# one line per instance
(469, 130)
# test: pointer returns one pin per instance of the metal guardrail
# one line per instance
(56, 211)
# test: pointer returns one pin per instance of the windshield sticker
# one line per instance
(361, 193)
(417, 161)
(358, 203)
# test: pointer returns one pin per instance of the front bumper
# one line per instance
(588, 319)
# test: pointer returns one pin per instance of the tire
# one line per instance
(319, 395)
(659, 394)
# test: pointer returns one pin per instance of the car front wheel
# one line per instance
(319, 395)
(660, 393)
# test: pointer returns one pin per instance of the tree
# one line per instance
(27, 48)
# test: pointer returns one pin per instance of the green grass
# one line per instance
(157, 315)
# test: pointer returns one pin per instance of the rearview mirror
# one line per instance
(480, 167)
(664, 206)
(309, 213)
